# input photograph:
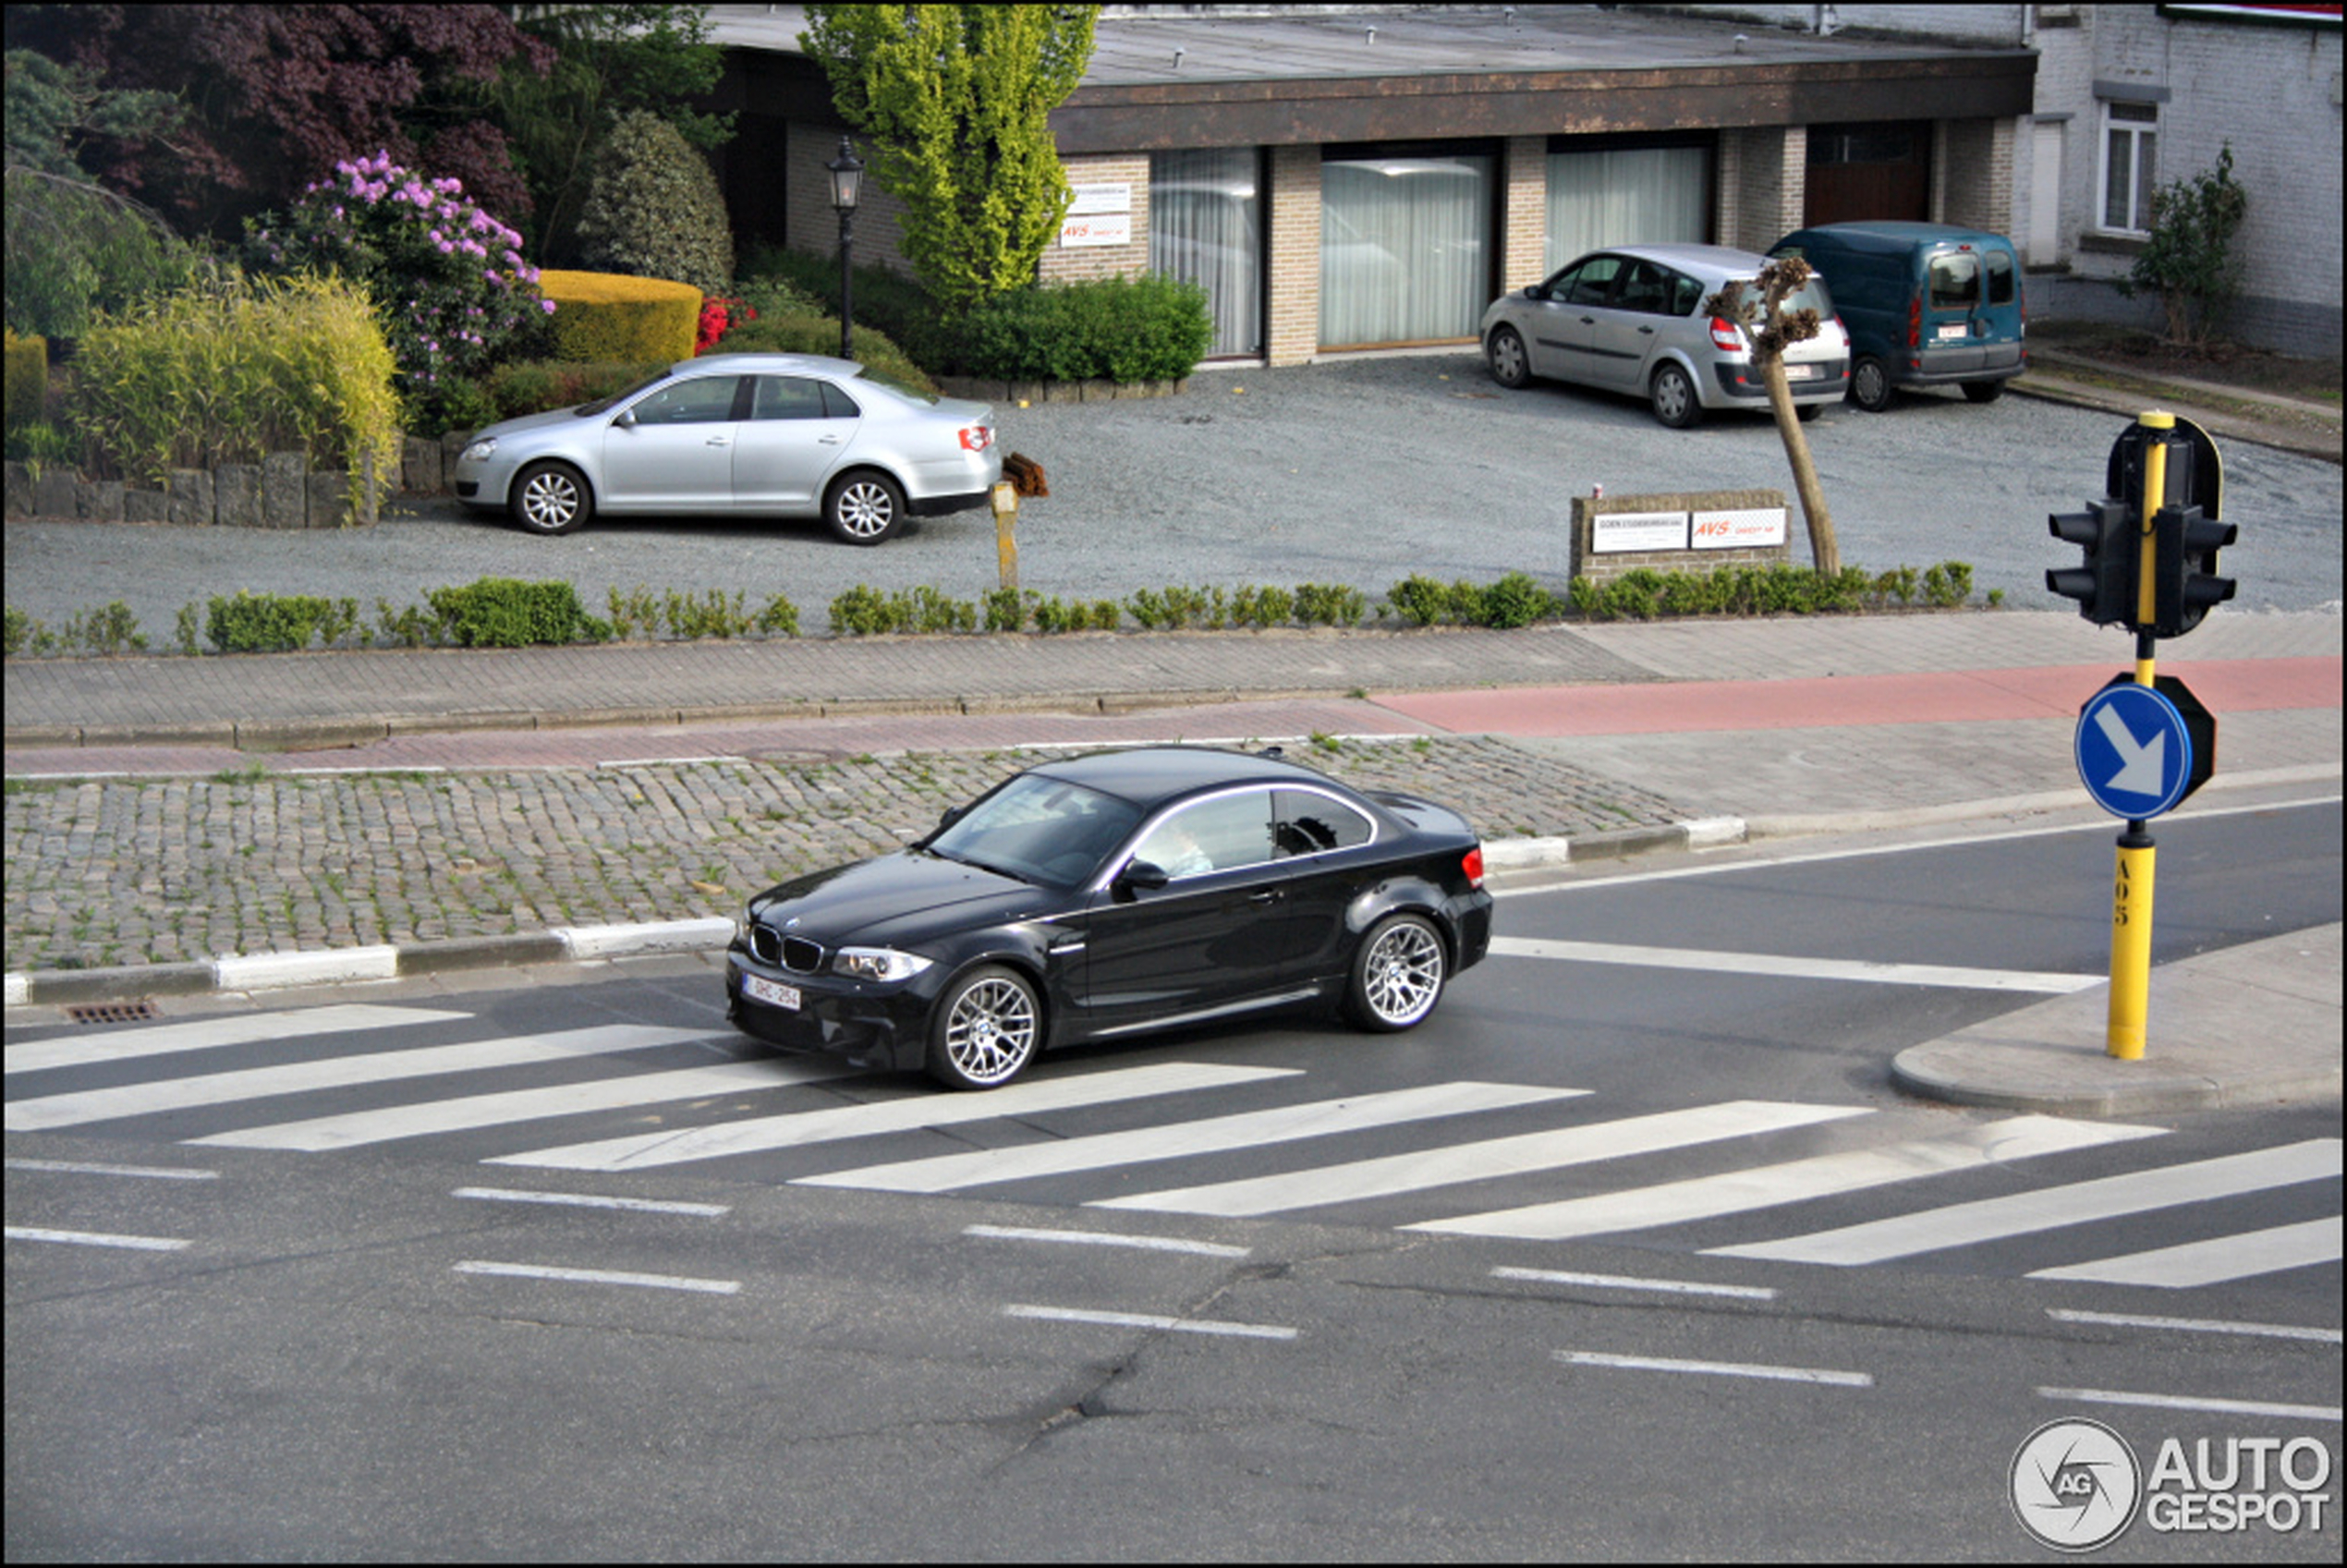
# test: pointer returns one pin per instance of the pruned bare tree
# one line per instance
(1769, 328)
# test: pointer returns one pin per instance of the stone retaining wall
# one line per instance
(1021, 393)
(280, 492)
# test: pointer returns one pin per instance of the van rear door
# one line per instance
(1968, 312)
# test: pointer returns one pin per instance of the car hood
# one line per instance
(554, 419)
(895, 899)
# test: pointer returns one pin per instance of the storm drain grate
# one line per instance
(112, 1012)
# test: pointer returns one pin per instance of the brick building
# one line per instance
(1371, 178)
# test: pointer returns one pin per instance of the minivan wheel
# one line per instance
(1870, 384)
(1510, 365)
(1984, 391)
(552, 498)
(1675, 403)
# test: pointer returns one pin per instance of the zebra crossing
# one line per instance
(710, 1113)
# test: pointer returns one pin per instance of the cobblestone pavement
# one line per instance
(124, 871)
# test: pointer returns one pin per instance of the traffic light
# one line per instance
(2184, 568)
(2104, 584)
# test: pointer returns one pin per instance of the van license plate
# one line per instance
(769, 993)
(1955, 329)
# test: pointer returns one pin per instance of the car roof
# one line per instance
(1149, 775)
(1721, 261)
(1898, 235)
(770, 365)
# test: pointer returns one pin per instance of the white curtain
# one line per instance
(1206, 225)
(1629, 196)
(1404, 249)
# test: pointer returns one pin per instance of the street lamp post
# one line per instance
(847, 174)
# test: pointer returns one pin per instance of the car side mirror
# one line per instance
(1141, 875)
(1537, 291)
(625, 419)
(951, 815)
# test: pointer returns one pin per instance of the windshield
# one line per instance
(604, 405)
(1040, 830)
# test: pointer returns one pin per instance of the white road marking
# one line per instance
(1764, 1186)
(1716, 1368)
(1626, 1282)
(1248, 1129)
(1152, 1321)
(911, 1111)
(2186, 1402)
(2194, 1325)
(2215, 1260)
(601, 1277)
(1714, 961)
(355, 1127)
(95, 1238)
(334, 1071)
(2046, 1208)
(79, 1168)
(1103, 1238)
(203, 1034)
(590, 1200)
(1478, 1162)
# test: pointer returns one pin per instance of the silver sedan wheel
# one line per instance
(866, 509)
(1399, 977)
(988, 1031)
(551, 499)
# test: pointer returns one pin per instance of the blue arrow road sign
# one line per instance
(2134, 753)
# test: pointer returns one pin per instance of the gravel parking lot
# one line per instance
(1354, 471)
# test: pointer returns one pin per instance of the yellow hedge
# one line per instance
(28, 378)
(609, 316)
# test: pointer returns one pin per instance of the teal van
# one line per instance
(1925, 305)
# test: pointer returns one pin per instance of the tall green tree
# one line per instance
(956, 103)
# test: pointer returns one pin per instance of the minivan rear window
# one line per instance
(2000, 277)
(1954, 281)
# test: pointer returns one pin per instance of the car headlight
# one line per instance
(478, 452)
(878, 963)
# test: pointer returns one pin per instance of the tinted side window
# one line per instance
(703, 400)
(1310, 823)
(1647, 289)
(837, 404)
(1594, 281)
(1686, 293)
(2001, 278)
(787, 398)
(1220, 834)
(1954, 281)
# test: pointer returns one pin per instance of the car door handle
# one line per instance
(829, 440)
(1645, 331)
(1269, 895)
(721, 441)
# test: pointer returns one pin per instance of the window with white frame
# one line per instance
(2130, 166)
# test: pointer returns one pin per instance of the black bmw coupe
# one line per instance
(1107, 894)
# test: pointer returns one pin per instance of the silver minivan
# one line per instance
(1631, 319)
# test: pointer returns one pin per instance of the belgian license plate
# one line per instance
(1954, 329)
(771, 994)
(1801, 373)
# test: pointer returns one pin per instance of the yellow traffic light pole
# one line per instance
(2133, 883)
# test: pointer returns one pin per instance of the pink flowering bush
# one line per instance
(451, 289)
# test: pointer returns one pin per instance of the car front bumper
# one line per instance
(871, 1024)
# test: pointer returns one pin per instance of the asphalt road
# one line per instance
(1356, 472)
(389, 1349)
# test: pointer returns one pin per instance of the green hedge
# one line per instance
(508, 613)
(1149, 328)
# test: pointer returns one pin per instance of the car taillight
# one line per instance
(1914, 322)
(1725, 335)
(976, 438)
(1473, 865)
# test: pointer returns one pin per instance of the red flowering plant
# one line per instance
(718, 317)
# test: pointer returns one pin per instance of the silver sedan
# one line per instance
(1632, 320)
(740, 435)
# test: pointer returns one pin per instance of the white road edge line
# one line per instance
(1716, 1368)
(78, 1168)
(599, 1277)
(1716, 961)
(95, 1238)
(585, 1200)
(1103, 1238)
(1150, 1320)
(1626, 1282)
(2194, 1325)
(2181, 1402)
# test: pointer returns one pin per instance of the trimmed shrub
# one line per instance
(508, 613)
(1149, 328)
(609, 316)
(195, 379)
(276, 622)
(654, 209)
(28, 379)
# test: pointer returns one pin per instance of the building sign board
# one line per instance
(1614, 533)
(1113, 229)
(1743, 529)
